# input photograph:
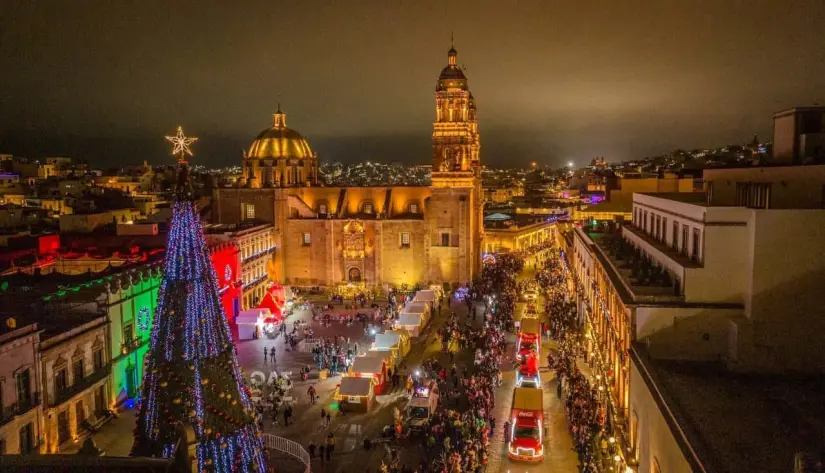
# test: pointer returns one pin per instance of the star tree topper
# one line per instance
(181, 144)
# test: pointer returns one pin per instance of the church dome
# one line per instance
(451, 77)
(280, 142)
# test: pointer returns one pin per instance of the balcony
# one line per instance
(258, 254)
(665, 251)
(131, 345)
(255, 282)
(63, 395)
(19, 408)
(633, 269)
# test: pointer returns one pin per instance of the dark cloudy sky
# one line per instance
(554, 80)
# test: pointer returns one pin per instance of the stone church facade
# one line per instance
(378, 236)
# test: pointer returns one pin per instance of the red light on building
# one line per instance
(227, 263)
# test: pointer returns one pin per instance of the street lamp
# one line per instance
(570, 164)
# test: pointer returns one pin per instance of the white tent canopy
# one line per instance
(367, 364)
(385, 341)
(407, 319)
(252, 316)
(352, 386)
(424, 296)
(415, 308)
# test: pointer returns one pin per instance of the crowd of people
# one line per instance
(334, 354)
(586, 414)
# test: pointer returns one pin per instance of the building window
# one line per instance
(663, 236)
(644, 221)
(249, 212)
(414, 208)
(77, 371)
(322, 209)
(656, 226)
(98, 359)
(684, 240)
(445, 239)
(128, 335)
(405, 240)
(60, 381)
(306, 239)
(368, 207)
(23, 381)
(79, 415)
(695, 249)
(26, 439)
(753, 195)
(674, 237)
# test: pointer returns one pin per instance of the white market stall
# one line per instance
(356, 393)
(397, 341)
(372, 366)
(412, 323)
(426, 295)
(249, 323)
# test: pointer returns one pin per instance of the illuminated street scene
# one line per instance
(404, 237)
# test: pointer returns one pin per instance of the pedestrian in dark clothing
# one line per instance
(265, 354)
(492, 425)
(321, 453)
(311, 450)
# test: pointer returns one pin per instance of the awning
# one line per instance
(352, 386)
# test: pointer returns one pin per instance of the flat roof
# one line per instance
(740, 422)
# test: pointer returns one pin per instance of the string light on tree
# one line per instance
(192, 375)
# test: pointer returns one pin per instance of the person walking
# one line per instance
(321, 452)
(324, 418)
(329, 418)
(311, 450)
(330, 445)
(272, 355)
(311, 393)
(507, 432)
(492, 425)
(265, 354)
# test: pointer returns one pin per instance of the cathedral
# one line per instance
(377, 236)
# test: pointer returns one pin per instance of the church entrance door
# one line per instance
(354, 275)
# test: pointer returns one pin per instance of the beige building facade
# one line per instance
(375, 236)
(21, 428)
(75, 366)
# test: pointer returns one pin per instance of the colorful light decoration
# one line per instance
(191, 371)
(182, 145)
(143, 318)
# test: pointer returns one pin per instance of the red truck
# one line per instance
(526, 426)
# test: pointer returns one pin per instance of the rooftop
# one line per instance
(696, 198)
(738, 422)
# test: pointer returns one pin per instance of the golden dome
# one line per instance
(280, 142)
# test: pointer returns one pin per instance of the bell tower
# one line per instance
(455, 129)
(455, 222)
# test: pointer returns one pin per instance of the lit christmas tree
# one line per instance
(192, 374)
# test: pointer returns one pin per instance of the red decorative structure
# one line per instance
(226, 260)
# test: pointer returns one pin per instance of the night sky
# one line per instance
(553, 80)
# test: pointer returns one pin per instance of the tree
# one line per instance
(191, 373)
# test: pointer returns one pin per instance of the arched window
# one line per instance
(323, 208)
(354, 275)
(414, 207)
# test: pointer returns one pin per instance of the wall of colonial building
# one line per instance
(311, 232)
(18, 350)
(85, 396)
